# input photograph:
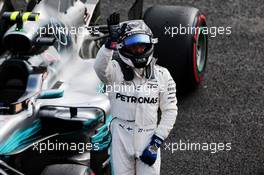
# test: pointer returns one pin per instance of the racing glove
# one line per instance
(115, 31)
(149, 155)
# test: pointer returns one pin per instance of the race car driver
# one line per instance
(143, 88)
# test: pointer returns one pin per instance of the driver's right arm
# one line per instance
(103, 66)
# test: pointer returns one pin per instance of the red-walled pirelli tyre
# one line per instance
(182, 46)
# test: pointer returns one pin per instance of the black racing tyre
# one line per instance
(182, 46)
(98, 159)
(67, 169)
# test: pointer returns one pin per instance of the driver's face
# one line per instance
(137, 49)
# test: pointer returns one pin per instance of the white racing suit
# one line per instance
(134, 106)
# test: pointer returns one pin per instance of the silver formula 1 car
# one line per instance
(54, 114)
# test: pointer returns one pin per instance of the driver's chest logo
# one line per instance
(133, 99)
(145, 94)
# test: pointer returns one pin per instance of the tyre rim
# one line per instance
(201, 51)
